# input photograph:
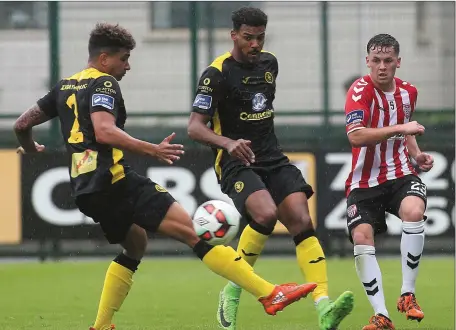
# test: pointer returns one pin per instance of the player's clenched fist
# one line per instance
(241, 150)
(413, 128)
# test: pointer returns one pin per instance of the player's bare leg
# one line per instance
(119, 275)
(224, 261)
(370, 275)
(412, 242)
(294, 214)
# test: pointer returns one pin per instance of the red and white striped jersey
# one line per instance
(367, 106)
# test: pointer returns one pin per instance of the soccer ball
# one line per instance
(216, 222)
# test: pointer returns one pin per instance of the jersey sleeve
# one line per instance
(357, 107)
(414, 100)
(209, 92)
(105, 95)
(48, 103)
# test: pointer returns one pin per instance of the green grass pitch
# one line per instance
(181, 294)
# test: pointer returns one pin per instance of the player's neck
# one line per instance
(387, 88)
(92, 65)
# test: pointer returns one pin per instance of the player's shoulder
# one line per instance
(93, 76)
(361, 87)
(406, 85)
(268, 56)
(218, 63)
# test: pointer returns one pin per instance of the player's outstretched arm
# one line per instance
(106, 132)
(23, 129)
(365, 136)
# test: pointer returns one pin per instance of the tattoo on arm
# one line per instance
(32, 117)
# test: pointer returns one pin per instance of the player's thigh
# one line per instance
(178, 225)
(157, 211)
(284, 180)
(408, 198)
(365, 216)
(250, 196)
(150, 201)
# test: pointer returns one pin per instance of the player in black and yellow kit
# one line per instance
(235, 95)
(92, 114)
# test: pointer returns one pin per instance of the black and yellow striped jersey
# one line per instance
(93, 166)
(239, 99)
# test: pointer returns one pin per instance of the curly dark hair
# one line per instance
(384, 41)
(109, 38)
(249, 16)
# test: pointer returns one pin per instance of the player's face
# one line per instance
(117, 64)
(383, 62)
(249, 41)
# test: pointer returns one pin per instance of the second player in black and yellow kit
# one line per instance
(235, 95)
(92, 114)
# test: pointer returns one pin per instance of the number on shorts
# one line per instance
(418, 186)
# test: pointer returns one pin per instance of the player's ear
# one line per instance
(367, 62)
(233, 35)
(103, 58)
(398, 62)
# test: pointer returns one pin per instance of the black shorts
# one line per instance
(280, 180)
(368, 205)
(134, 199)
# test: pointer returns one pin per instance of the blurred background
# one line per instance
(321, 48)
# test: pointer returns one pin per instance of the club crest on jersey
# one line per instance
(352, 210)
(259, 102)
(354, 117)
(407, 110)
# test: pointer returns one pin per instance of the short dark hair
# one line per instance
(383, 40)
(109, 38)
(249, 16)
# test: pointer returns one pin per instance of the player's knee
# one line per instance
(413, 215)
(267, 217)
(362, 235)
(135, 243)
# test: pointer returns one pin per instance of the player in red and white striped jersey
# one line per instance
(378, 109)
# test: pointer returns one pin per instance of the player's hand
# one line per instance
(167, 151)
(241, 150)
(412, 128)
(424, 161)
(38, 147)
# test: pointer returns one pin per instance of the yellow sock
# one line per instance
(251, 244)
(312, 262)
(117, 283)
(224, 261)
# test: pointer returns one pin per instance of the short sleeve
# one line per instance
(357, 108)
(209, 92)
(105, 95)
(48, 103)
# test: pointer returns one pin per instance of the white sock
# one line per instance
(369, 273)
(412, 243)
